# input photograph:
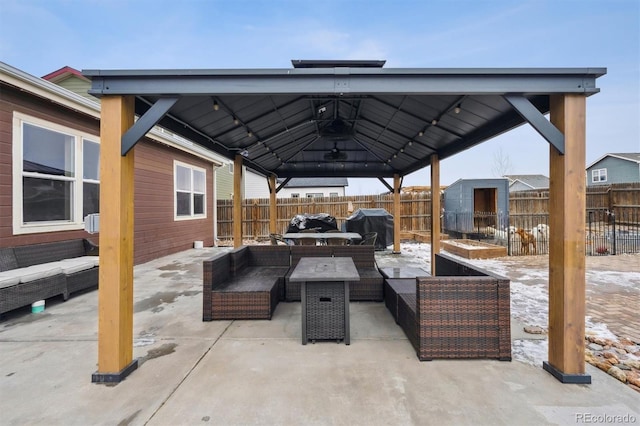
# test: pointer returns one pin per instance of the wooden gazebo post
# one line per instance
(237, 201)
(567, 242)
(115, 292)
(273, 207)
(396, 213)
(435, 211)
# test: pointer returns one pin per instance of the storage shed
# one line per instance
(471, 205)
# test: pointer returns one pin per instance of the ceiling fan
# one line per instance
(335, 154)
(336, 131)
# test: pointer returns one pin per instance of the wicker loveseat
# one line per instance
(462, 312)
(39, 271)
(245, 283)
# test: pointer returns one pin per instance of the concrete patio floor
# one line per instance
(257, 372)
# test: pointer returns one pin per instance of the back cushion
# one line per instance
(363, 256)
(48, 252)
(298, 252)
(7, 259)
(269, 255)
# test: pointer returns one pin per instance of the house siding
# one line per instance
(154, 204)
(78, 86)
(255, 186)
(618, 171)
(224, 183)
(156, 233)
(303, 191)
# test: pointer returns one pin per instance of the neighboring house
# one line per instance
(313, 187)
(614, 168)
(527, 182)
(49, 169)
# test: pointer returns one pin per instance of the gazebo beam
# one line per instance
(567, 285)
(115, 291)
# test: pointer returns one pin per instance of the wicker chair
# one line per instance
(306, 241)
(369, 239)
(336, 241)
(276, 239)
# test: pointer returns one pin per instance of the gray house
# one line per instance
(470, 205)
(614, 168)
(313, 187)
(527, 182)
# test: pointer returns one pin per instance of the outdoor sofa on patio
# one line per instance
(462, 312)
(39, 271)
(245, 283)
(248, 282)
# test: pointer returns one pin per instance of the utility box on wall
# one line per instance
(472, 205)
(92, 223)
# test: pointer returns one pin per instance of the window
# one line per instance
(599, 175)
(231, 168)
(56, 176)
(295, 195)
(314, 194)
(190, 191)
(333, 194)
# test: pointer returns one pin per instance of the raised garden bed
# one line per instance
(470, 249)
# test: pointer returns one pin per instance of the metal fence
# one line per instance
(607, 232)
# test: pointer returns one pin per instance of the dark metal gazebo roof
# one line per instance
(342, 118)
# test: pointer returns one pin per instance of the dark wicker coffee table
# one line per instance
(325, 297)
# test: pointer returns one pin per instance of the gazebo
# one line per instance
(344, 119)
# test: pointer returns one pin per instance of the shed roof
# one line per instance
(342, 118)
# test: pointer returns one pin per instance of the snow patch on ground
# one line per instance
(532, 352)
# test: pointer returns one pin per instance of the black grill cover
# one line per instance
(373, 220)
(321, 222)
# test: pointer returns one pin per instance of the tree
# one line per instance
(501, 163)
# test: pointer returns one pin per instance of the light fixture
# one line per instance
(410, 143)
(366, 165)
(420, 133)
(401, 149)
(457, 109)
(216, 107)
(395, 155)
(434, 122)
(249, 134)
(235, 120)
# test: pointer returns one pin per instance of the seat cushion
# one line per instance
(7, 279)
(95, 260)
(36, 272)
(70, 266)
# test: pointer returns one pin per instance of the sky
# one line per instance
(41, 36)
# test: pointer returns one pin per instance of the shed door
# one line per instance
(485, 206)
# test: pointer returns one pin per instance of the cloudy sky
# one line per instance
(41, 36)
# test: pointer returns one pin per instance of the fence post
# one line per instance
(613, 223)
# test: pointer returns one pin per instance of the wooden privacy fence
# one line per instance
(415, 212)
(415, 208)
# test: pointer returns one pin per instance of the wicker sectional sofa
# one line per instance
(39, 271)
(462, 312)
(245, 283)
(248, 282)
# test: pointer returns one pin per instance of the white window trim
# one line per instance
(77, 222)
(596, 174)
(175, 192)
